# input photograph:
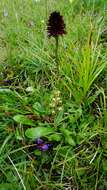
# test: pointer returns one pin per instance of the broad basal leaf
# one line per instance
(37, 132)
(23, 120)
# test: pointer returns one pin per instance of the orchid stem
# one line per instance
(56, 51)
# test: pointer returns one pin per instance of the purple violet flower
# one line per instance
(43, 147)
(39, 141)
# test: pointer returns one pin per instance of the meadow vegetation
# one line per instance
(53, 115)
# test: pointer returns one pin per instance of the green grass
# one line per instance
(66, 107)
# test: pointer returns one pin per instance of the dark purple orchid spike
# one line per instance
(56, 25)
(56, 28)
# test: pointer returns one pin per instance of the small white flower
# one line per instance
(71, 1)
(53, 112)
(42, 21)
(56, 92)
(60, 108)
(5, 12)
(29, 89)
(54, 99)
(36, 0)
(58, 99)
(31, 23)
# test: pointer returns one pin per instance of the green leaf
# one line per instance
(75, 116)
(105, 165)
(104, 141)
(17, 135)
(37, 153)
(23, 120)
(92, 98)
(38, 132)
(70, 140)
(59, 118)
(6, 186)
(68, 136)
(64, 149)
(39, 108)
(65, 131)
(81, 171)
(55, 137)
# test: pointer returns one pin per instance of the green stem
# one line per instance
(56, 51)
(46, 7)
(46, 15)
